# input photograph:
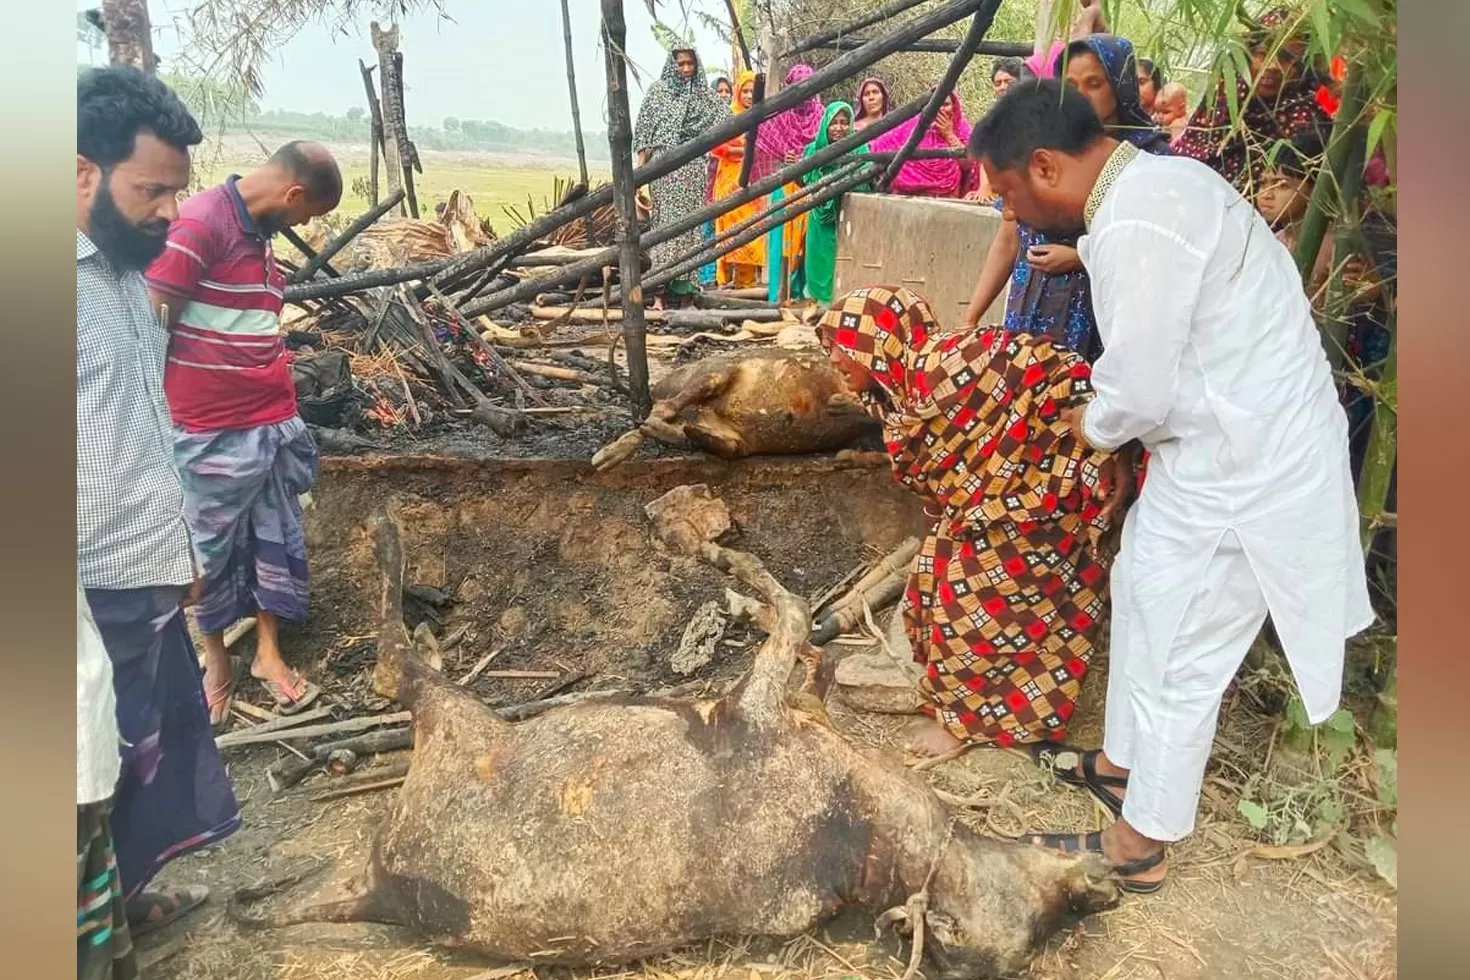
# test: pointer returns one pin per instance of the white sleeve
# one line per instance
(1146, 280)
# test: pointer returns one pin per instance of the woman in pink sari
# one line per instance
(779, 141)
(933, 178)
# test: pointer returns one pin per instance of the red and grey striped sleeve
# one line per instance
(185, 259)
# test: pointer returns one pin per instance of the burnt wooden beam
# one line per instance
(319, 261)
(842, 68)
(747, 158)
(941, 45)
(529, 288)
(820, 41)
(625, 192)
(375, 113)
(979, 24)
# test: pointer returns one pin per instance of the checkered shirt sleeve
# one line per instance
(131, 531)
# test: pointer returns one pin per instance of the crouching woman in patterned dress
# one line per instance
(1004, 597)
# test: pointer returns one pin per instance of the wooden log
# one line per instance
(386, 778)
(979, 24)
(558, 373)
(818, 41)
(253, 736)
(269, 731)
(841, 68)
(700, 319)
(625, 190)
(747, 156)
(566, 35)
(407, 152)
(367, 218)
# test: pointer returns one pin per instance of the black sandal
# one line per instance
(1092, 843)
(1059, 759)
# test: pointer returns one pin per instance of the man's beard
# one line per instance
(270, 225)
(127, 245)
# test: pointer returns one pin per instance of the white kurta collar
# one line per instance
(1121, 156)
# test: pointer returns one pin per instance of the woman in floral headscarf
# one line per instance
(743, 266)
(1278, 103)
(1050, 293)
(779, 141)
(677, 108)
(1004, 595)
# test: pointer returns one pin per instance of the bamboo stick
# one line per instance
(879, 16)
(367, 218)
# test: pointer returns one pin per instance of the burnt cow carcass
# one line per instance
(614, 830)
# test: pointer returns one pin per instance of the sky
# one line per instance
(499, 60)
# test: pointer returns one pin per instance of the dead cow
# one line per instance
(609, 831)
(762, 402)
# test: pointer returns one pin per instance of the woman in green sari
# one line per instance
(821, 226)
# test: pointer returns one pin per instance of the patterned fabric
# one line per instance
(741, 266)
(174, 796)
(227, 361)
(104, 946)
(130, 503)
(1239, 152)
(1117, 160)
(788, 131)
(931, 178)
(674, 111)
(1003, 598)
(241, 486)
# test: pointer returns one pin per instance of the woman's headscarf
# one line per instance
(741, 80)
(788, 131)
(1239, 153)
(973, 420)
(677, 109)
(858, 102)
(827, 210)
(942, 176)
(1121, 66)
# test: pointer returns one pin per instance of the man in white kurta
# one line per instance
(1213, 362)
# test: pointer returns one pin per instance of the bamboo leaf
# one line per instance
(1381, 121)
(1360, 10)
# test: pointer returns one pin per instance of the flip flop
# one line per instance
(1092, 843)
(305, 693)
(224, 695)
(151, 911)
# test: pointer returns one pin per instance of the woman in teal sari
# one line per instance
(820, 264)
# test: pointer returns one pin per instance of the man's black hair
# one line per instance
(1014, 67)
(317, 172)
(1035, 114)
(115, 103)
(1155, 73)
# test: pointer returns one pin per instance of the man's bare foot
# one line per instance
(930, 739)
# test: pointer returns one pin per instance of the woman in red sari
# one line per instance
(1003, 599)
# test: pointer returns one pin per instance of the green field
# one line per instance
(494, 182)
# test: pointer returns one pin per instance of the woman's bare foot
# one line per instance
(930, 739)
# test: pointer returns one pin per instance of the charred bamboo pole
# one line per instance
(566, 36)
(625, 188)
(313, 260)
(661, 276)
(385, 43)
(747, 157)
(945, 153)
(408, 154)
(819, 41)
(367, 218)
(375, 114)
(530, 288)
(979, 24)
(663, 164)
(939, 45)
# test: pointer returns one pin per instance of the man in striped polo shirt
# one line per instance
(244, 452)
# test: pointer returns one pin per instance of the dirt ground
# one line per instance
(552, 566)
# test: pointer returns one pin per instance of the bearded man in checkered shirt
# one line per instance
(134, 554)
